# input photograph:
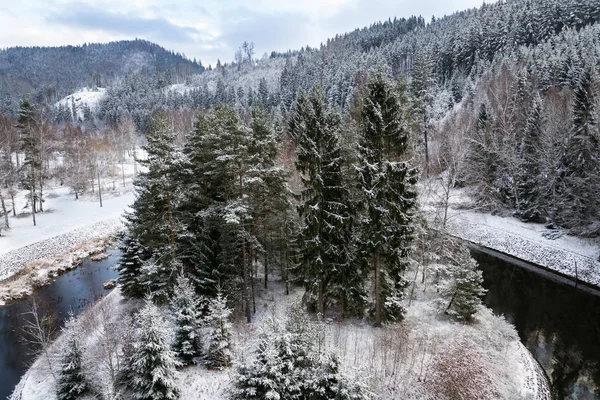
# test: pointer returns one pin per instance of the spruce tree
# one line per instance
(288, 366)
(219, 354)
(185, 305)
(152, 366)
(130, 266)
(579, 178)
(72, 384)
(152, 222)
(388, 196)
(324, 211)
(266, 185)
(465, 289)
(200, 185)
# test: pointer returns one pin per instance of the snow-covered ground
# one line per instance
(396, 361)
(85, 96)
(554, 250)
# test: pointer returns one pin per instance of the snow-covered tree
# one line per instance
(130, 266)
(30, 146)
(152, 224)
(388, 195)
(288, 365)
(465, 289)
(325, 235)
(72, 383)
(219, 354)
(186, 307)
(152, 366)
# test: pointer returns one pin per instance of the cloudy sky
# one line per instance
(207, 29)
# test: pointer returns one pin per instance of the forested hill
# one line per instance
(503, 98)
(49, 73)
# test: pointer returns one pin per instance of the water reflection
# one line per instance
(72, 291)
(558, 323)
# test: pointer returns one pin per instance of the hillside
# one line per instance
(49, 73)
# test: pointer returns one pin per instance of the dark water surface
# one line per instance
(72, 291)
(558, 323)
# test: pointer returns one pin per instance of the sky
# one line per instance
(206, 30)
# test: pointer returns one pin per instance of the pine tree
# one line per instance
(325, 212)
(152, 223)
(200, 184)
(30, 146)
(153, 364)
(219, 353)
(388, 196)
(579, 179)
(466, 288)
(185, 304)
(72, 383)
(266, 185)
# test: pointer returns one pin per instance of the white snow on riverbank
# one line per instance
(395, 361)
(65, 223)
(555, 250)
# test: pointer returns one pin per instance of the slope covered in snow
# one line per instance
(84, 97)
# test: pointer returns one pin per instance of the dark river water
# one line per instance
(72, 291)
(559, 324)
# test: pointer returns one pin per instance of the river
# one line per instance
(558, 323)
(72, 291)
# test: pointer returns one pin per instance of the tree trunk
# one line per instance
(41, 194)
(171, 224)
(246, 283)
(123, 169)
(32, 193)
(99, 189)
(4, 211)
(321, 306)
(12, 199)
(377, 273)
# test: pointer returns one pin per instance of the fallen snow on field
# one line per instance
(565, 254)
(63, 214)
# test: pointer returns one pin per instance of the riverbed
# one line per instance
(71, 292)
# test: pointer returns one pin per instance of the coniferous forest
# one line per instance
(304, 172)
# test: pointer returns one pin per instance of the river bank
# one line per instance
(35, 266)
(71, 292)
(552, 249)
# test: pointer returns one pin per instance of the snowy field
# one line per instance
(552, 249)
